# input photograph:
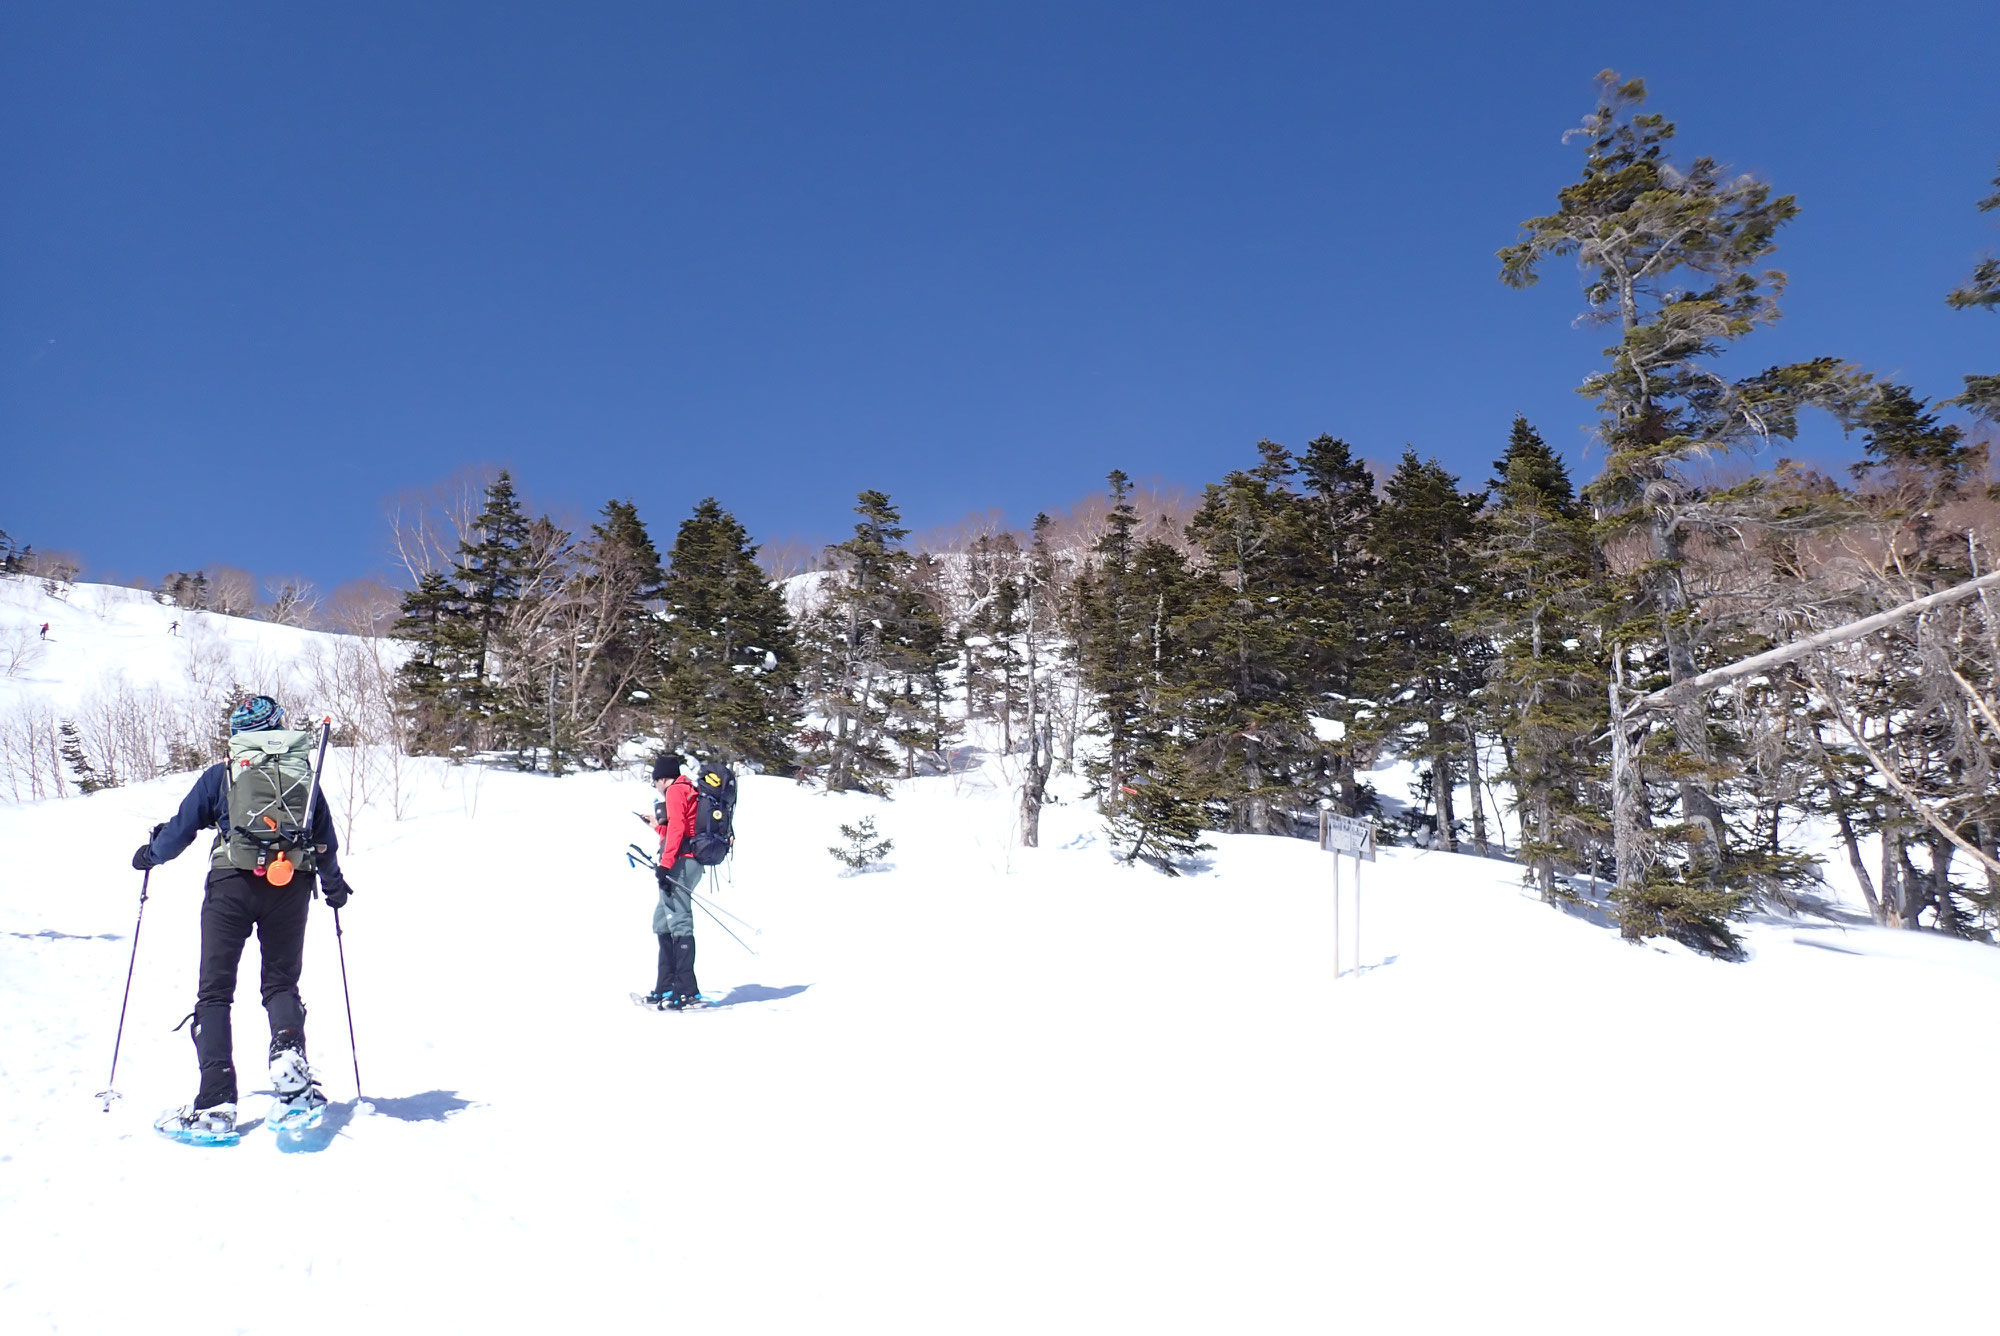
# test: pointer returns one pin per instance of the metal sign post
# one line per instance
(1345, 835)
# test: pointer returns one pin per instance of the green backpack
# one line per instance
(269, 783)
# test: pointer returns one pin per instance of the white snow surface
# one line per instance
(100, 635)
(984, 1089)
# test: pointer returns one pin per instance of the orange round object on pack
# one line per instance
(280, 871)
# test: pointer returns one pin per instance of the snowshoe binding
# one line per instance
(213, 1126)
(672, 1001)
(299, 1103)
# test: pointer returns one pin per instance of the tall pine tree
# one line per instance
(1110, 643)
(855, 661)
(1981, 292)
(1425, 669)
(1336, 623)
(730, 660)
(1249, 689)
(1671, 261)
(1545, 689)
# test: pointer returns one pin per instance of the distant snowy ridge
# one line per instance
(144, 685)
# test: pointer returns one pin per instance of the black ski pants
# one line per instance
(235, 903)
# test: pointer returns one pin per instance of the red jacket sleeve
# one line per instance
(674, 835)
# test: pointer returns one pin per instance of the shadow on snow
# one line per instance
(51, 935)
(433, 1106)
(757, 992)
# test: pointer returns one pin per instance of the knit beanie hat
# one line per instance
(666, 766)
(255, 715)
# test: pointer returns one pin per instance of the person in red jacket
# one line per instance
(673, 917)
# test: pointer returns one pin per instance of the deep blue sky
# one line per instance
(972, 255)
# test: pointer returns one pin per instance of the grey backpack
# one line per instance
(269, 783)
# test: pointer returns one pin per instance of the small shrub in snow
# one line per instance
(865, 848)
(20, 650)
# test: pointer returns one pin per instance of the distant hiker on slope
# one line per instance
(678, 876)
(257, 878)
(45, 630)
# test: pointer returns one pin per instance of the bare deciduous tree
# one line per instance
(293, 600)
(365, 607)
(427, 525)
(232, 591)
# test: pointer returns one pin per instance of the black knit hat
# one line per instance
(666, 766)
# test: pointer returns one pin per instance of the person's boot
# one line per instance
(300, 1102)
(211, 1126)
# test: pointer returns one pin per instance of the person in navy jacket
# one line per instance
(235, 902)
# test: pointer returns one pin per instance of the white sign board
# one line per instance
(1346, 835)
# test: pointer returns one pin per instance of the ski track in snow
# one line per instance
(986, 1089)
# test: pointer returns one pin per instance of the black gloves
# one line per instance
(144, 858)
(665, 878)
(336, 892)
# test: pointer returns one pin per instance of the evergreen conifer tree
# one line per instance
(989, 630)
(729, 674)
(1545, 688)
(1157, 820)
(1902, 437)
(1158, 813)
(89, 779)
(853, 670)
(187, 590)
(609, 646)
(431, 682)
(1110, 637)
(1424, 669)
(490, 570)
(918, 652)
(1249, 690)
(1671, 259)
(1982, 290)
(1335, 622)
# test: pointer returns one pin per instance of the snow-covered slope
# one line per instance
(986, 1089)
(99, 634)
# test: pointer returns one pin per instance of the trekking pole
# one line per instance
(634, 856)
(724, 926)
(755, 931)
(319, 764)
(347, 997)
(110, 1092)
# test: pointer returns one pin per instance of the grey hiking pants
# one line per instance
(673, 916)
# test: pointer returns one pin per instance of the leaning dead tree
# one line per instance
(1624, 777)
(1670, 696)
